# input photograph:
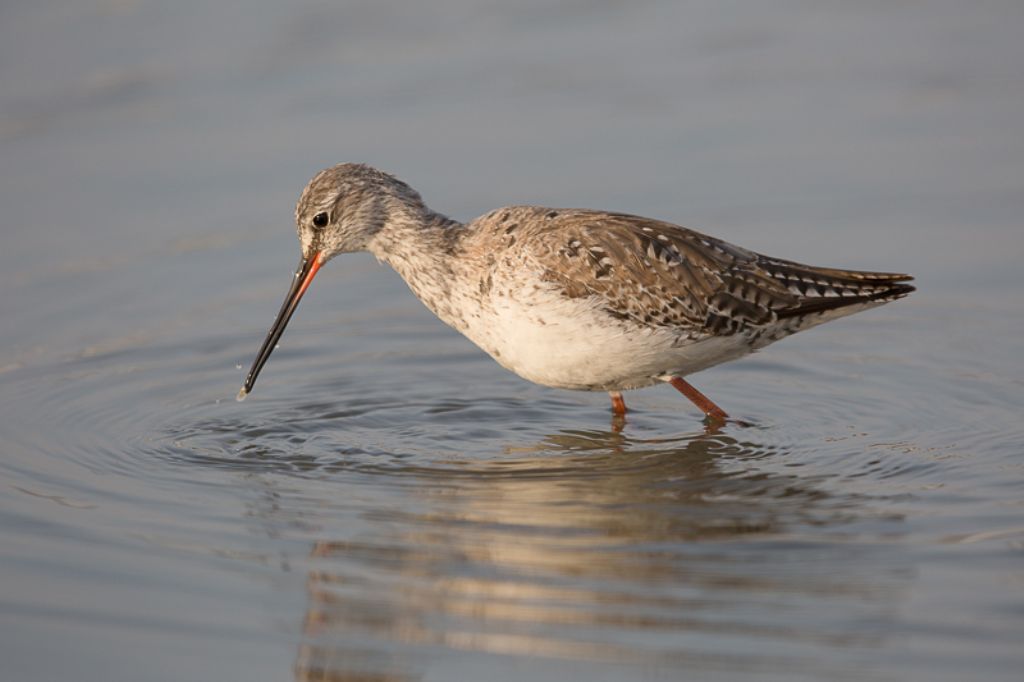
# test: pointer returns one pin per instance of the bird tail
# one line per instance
(823, 294)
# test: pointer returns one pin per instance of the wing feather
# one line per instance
(655, 273)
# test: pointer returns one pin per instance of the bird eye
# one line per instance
(320, 220)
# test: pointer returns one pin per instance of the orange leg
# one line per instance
(699, 399)
(618, 404)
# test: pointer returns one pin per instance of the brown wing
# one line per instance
(659, 274)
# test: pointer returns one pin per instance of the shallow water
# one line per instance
(391, 505)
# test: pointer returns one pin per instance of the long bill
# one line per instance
(305, 273)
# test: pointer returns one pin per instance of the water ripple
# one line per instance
(437, 516)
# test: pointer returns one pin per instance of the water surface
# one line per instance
(389, 504)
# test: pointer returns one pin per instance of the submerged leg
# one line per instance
(618, 404)
(699, 399)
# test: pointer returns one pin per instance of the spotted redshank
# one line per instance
(572, 298)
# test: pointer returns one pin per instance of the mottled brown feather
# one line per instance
(655, 273)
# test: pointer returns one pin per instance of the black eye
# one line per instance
(320, 220)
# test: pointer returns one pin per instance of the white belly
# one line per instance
(571, 343)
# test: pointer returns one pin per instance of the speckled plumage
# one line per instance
(581, 299)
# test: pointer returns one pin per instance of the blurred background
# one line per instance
(390, 504)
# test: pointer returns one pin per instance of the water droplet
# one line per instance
(238, 365)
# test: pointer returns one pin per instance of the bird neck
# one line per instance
(420, 245)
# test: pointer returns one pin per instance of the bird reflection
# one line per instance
(571, 548)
